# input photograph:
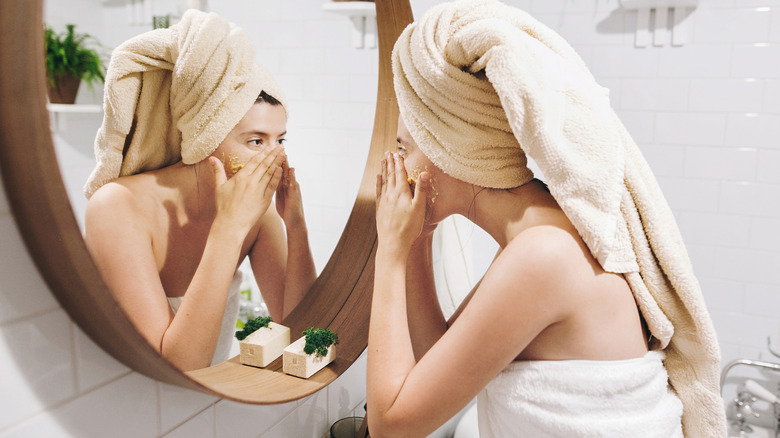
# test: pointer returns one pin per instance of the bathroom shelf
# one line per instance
(641, 4)
(73, 108)
(58, 108)
(660, 34)
(363, 17)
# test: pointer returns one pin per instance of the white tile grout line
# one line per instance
(54, 407)
(210, 406)
(74, 356)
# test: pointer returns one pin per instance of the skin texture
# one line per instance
(543, 298)
(183, 230)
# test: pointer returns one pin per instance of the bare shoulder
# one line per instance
(548, 263)
(545, 249)
(115, 205)
(112, 198)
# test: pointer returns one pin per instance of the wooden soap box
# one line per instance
(297, 363)
(264, 345)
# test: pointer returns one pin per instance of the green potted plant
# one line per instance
(69, 60)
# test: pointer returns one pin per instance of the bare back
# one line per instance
(598, 318)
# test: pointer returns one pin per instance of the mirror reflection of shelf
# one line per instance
(57, 108)
(363, 17)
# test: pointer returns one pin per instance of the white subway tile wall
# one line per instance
(706, 115)
(94, 367)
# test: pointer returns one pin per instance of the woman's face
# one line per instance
(262, 126)
(415, 163)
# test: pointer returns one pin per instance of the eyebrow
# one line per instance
(261, 133)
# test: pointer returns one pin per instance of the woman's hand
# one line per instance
(289, 203)
(245, 197)
(400, 214)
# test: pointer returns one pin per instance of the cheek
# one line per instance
(233, 163)
(232, 158)
(415, 166)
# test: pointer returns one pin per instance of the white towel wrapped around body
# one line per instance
(174, 94)
(227, 329)
(581, 398)
(480, 85)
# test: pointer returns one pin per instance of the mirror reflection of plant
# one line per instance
(318, 340)
(252, 326)
(68, 53)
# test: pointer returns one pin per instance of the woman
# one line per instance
(551, 342)
(168, 240)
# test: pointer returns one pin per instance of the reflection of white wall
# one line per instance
(705, 115)
(55, 380)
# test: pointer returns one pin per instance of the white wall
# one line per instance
(706, 116)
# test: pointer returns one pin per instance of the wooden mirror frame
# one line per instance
(340, 298)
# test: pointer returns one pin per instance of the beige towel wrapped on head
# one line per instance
(479, 85)
(174, 94)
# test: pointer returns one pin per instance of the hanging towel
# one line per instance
(581, 398)
(480, 85)
(174, 94)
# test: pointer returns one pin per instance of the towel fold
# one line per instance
(174, 94)
(480, 85)
(625, 398)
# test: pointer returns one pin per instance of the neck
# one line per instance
(197, 190)
(505, 213)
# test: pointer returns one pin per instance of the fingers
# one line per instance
(218, 170)
(421, 190)
(285, 173)
(400, 171)
(381, 178)
(292, 182)
(272, 180)
(390, 171)
(383, 174)
(264, 161)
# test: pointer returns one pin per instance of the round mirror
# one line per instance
(329, 86)
(339, 299)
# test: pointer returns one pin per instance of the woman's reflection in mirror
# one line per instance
(192, 178)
